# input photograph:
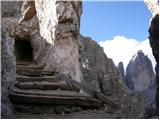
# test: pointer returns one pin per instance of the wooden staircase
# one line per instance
(34, 85)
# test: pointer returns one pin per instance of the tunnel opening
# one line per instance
(23, 51)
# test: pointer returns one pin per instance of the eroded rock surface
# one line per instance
(139, 72)
(153, 6)
(8, 72)
(154, 42)
(100, 73)
(11, 9)
(59, 53)
(140, 77)
(122, 72)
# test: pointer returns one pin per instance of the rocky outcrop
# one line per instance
(64, 55)
(154, 42)
(8, 72)
(153, 6)
(11, 9)
(96, 66)
(140, 76)
(120, 68)
(100, 73)
(139, 72)
(28, 10)
(58, 53)
(47, 25)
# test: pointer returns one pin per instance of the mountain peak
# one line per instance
(139, 74)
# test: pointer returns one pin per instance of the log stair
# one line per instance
(34, 85)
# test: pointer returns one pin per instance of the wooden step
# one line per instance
(91, 91)
(29, 67)
(34, 73)
(24, 63)
(54, 97)
(37, 79)
(43, 85)
(49, 92)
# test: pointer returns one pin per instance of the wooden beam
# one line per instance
(90, 91)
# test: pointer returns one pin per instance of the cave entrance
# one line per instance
(23, 51)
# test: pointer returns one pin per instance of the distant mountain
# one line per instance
(140, 76)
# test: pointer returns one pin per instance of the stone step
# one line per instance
(24, 63)
(29, 67)
(43, 85)
(37, 79)
(34, 73)
(53, 97)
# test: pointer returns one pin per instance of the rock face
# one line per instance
(58, 53)
(139, 72)
(11, 9)
(100, 73)
(96, 66)
(154, 42)
(122, 72)
(140, 76)
(8, 72)
(46, 24)
(63, 50)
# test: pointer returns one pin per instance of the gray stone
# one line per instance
(154, 42)
(122, 72)
(140, 76)
(11, 8)
(153, 6)
(8, 72)
(95, 63)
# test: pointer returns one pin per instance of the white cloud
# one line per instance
(123, 49)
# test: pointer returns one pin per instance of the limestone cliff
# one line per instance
(11, 9)
(120, 67)
(95, 65)
(154, 40)
(100, 73)
(8, 72)
(140, 76)
(139, 72)
(58, 53)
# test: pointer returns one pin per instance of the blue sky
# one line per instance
(104, 20)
